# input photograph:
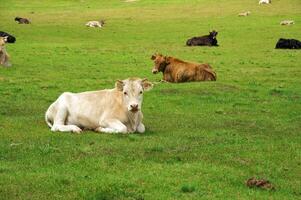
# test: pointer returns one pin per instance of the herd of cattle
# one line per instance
(118, 110)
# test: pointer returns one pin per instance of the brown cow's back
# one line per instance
(181, 71)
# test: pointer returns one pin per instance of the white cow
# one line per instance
(130, 1)
(265, 1)
(287, 22)
(95, 23)
(115, 110)
(244, 14)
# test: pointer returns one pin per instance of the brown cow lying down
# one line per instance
(175, 70)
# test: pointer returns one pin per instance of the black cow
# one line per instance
(10, 38)
(288, 44)
(206, 40)
(22, 20)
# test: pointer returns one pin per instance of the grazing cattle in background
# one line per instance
(206, 40)
(10, 38)
(115, 110)
(265, 1)
(4, 57)
(95, 23)
(288, 44)
(21, 20)
(244, 14)
(176, 71)
(287, 22)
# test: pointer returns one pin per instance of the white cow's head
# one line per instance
(132, 92)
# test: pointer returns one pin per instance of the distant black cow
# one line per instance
(206, 40)
(22, 20)
(10, 38)
(288, 44)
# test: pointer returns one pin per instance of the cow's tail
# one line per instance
(47, 119)
(211, 73)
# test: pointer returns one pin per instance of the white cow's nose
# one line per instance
(134, 106)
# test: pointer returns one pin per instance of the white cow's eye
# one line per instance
(140, 92)
(125, 93)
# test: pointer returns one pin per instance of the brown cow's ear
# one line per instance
(153, 57)
(119, 85)
(167, 59)
(146, 85)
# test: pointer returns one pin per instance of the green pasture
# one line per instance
(203, 140)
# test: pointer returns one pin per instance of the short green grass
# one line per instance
(203, 140)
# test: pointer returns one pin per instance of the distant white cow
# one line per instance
(95, 23)
(244, 14)
(265, 1)
(115, 110)
(287, 22)
(129, 1)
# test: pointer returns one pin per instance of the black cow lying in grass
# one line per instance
(10, 38)
(206, 40)
(288, 44)
(21, 20)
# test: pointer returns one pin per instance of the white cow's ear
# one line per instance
(146, 85)
(119, 85)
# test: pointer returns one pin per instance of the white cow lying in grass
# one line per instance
(265, 1)
(115, 110)
(287, 22)
(244, 14)
(95, 23)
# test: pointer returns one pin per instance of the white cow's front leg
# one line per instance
(112, 126)
(66, 128)
(140, 128)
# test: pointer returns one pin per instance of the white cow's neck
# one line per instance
(133, 119)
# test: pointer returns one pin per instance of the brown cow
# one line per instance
(175, 70)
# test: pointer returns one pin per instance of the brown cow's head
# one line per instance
(160, 63)
(132, 92)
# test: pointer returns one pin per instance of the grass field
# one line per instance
(203, 140)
